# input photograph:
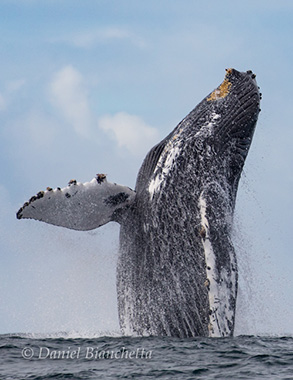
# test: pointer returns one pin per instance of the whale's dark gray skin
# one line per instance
(177, 270)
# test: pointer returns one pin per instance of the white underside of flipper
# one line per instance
(79, 206)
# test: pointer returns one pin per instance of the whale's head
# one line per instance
(236, 106)
(233, 109)
(217, 132)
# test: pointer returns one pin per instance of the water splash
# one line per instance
(262, 305)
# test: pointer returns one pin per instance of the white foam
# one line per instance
(128, 313)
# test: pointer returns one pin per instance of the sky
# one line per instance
(89, 87)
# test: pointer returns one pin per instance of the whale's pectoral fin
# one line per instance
(79, 206)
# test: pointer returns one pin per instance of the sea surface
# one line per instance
(25, 356)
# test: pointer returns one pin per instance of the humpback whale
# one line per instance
(177, 269)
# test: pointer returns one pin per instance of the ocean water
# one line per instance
(114, 357)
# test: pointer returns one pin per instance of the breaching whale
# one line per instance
(177, 270)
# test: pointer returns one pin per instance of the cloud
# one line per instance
(90, 38)
(9, 93)
(129, 131)
(15, 85)
(42, 130)
(68, 93)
